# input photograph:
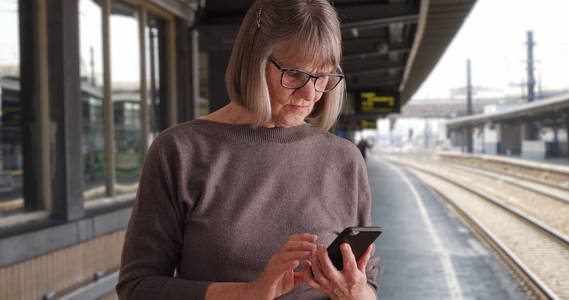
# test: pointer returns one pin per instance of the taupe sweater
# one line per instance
(216, 201)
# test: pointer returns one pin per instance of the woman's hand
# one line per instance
(278, 277)
(347, 284)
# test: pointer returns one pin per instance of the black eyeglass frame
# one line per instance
(283, 70)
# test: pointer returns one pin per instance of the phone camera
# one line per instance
(354, 233)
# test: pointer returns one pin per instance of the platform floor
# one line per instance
(425, 252)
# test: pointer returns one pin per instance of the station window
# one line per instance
(11, 162)
(125, 72)
(91, 68)
(125, 75)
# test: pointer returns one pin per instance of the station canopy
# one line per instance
(389, 45)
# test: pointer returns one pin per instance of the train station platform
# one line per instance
(425, 252)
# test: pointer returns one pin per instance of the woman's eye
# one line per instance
(295, 76)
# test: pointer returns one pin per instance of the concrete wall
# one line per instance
(478, 140)
(491, 134)
(533, 149)
(562, 137)
(61, 270)
(63, 257)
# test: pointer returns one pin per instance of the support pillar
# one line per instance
(468, 137)
(144, 109)
(567, 130)
(499, 142)
(218, 61)
(483, 142)
(108, 108)
(195, 73)
(528, 131)
(64, 91)
(28, 94)
(184, 71)
(555, 150)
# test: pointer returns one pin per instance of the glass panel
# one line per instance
(155, 70)
(91, 66)
(10, 110)
(125, 75)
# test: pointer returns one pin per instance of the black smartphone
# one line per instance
(359, 239)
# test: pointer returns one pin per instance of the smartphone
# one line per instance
(359, 239)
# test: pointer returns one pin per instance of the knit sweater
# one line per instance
(215, 201)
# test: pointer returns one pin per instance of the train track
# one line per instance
(547, 204)
(536, 252)
(557, 176)
(554, 191)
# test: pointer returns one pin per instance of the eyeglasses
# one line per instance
(292, 78)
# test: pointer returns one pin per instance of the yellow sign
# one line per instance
(371, 102)
(365, 124)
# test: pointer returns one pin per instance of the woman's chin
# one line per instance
(290, 121)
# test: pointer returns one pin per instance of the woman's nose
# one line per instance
(307, 92)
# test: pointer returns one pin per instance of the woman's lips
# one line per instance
(298, 107)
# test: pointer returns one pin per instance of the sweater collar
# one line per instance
(259, 134)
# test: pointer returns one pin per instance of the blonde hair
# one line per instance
(311, 28)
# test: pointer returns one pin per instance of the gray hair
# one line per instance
(311, 28)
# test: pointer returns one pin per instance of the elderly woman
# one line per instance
(230, 205)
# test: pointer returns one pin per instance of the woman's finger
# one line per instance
(296, 255)
(348, 258)
(317, 272)
(291, 265)
(298, 278)
(307, 276)
(326, 264)
(299, 245)
(308, 237)
(364, 259)
(277, 270)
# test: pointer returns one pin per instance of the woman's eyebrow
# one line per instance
(322, 69)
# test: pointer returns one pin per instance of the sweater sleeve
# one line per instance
(364, 216)
(155, 233)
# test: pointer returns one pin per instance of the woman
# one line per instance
(233, 203)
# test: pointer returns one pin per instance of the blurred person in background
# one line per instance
(363, 145)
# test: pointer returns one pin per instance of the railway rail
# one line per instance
(547, 204)
(537, 252)
(547, 174)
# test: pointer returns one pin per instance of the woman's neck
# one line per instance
(234, 113)
(231, 113)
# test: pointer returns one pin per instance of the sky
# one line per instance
(494, 38)
(124, 40)
(125, 55)
(9, 39)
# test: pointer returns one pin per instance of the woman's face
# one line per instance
(290, 107)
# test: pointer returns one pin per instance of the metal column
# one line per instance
(108, 109)
(65, 87)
